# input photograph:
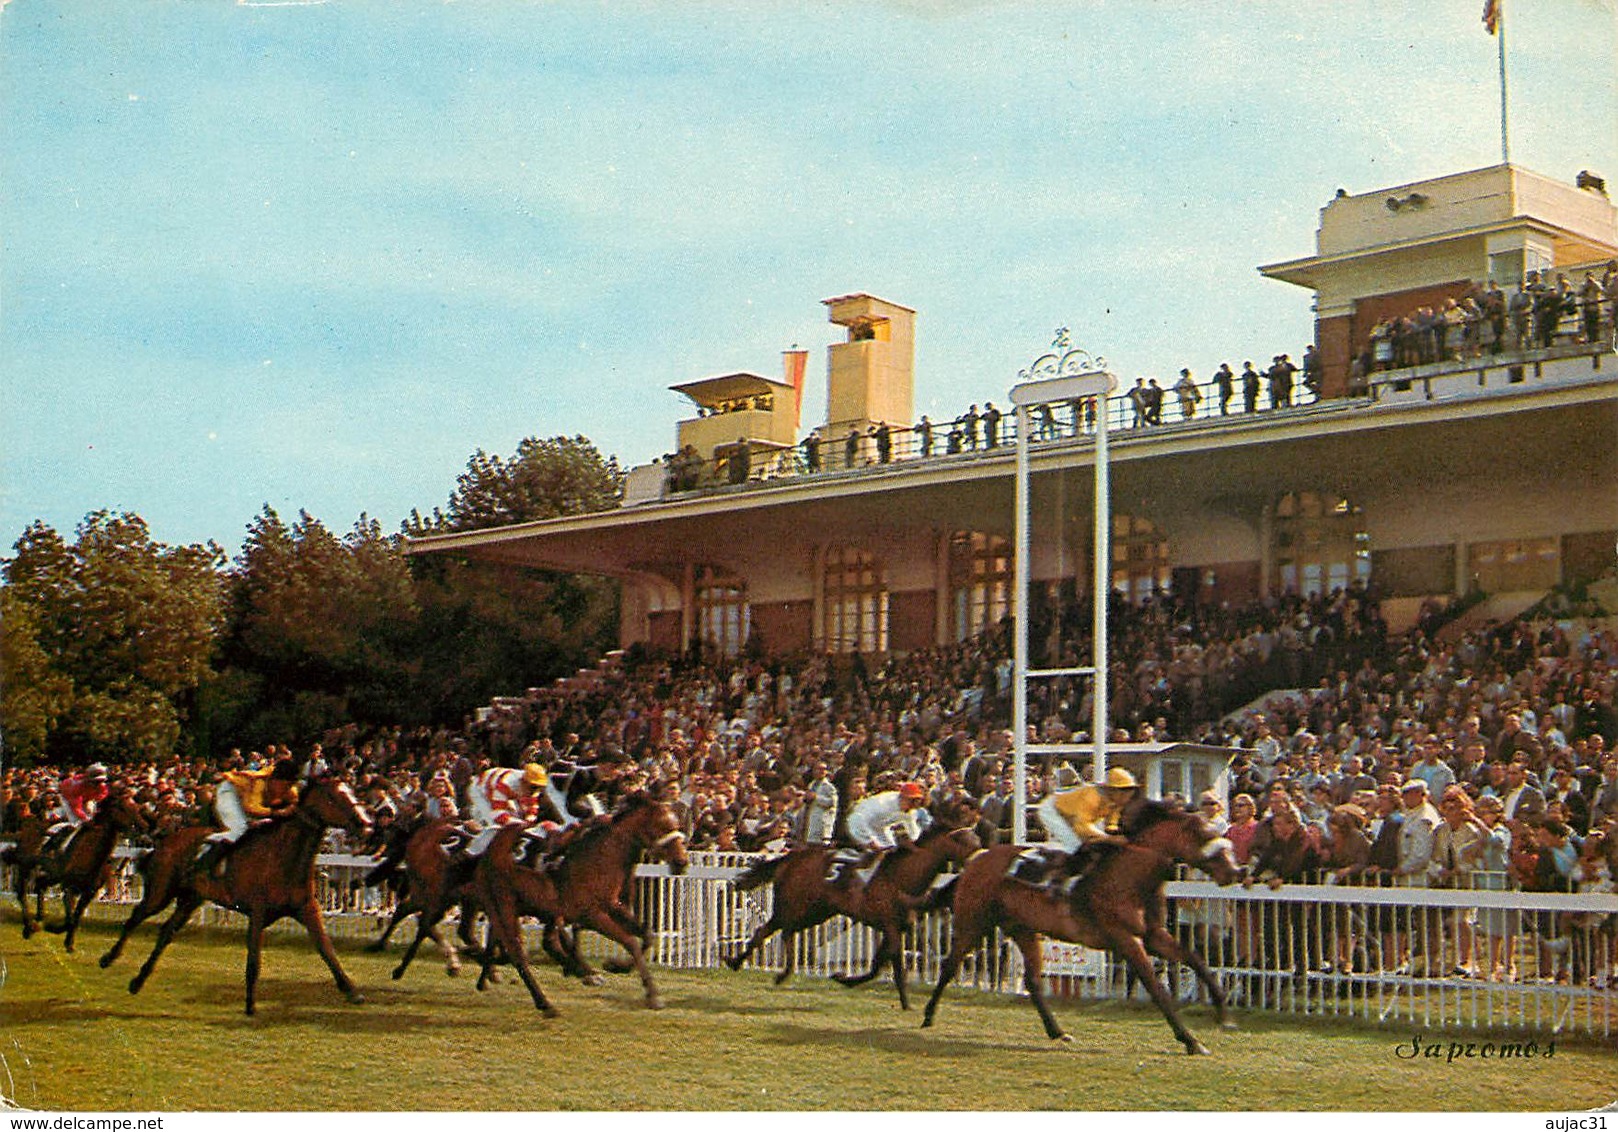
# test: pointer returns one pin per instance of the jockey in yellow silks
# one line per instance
(1088, 814)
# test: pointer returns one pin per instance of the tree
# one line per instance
(546, 479)
(490, 628)
(123, 630)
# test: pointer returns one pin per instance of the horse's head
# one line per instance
(120, 810)
(956, 844)
(658, 827)
(1182, 835)
(334, 803)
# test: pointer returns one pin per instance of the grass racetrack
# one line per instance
(73, 1038)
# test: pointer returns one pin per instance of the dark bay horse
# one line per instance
(270, 873)
(82, 867)
(434, 880)
(1118, 907)
(804, 898)
(587, 888)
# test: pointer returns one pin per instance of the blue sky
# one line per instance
(315, 254)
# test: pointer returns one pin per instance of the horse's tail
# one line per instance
(758, 874)
(940, 896)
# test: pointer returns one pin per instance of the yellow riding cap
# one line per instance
(1120, 779)
(534, 774)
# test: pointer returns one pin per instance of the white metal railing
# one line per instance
(1478, 958)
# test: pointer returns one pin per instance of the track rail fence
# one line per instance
(1479, 959)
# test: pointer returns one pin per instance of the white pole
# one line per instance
(1019, 661)
(1500, 29)
(1103, 587)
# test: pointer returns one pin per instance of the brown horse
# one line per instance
(804, 898)
(82, 867)
(434, 881)
(1118, 906)
(269, 873)
(588, 887)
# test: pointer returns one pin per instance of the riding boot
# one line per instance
(211, 861)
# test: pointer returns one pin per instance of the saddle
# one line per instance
(846, 865)
(1037, 865)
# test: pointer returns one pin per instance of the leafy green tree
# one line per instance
(34, 696)
(123, 631)
(488, 628)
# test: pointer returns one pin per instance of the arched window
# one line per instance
(980, 580)
(1320, 544)
(723, 613)
(1140, 558)
(855, 602)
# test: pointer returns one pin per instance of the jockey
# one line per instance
(503, 796)
(246, 796)
(873, 821)
(1089, 814)
(80, 794)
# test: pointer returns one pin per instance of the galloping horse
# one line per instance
(1118, 906)
(82, 867)
(586, 887)
(270, 873)
(434, 881)
(804, 898)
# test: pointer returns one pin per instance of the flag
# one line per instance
(1491, 15)
(793, 362)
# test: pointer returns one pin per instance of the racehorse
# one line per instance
(804, 898)
(1118, 906)
(269, 873)
(434, 881)
(82, 867)
(587, 887)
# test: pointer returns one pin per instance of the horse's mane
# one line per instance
(1144, 812)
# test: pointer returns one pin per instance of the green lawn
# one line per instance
(72, 1037)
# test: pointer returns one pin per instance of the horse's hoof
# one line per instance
(251, 1010)
(654, 1003)
(733, 964)
(1065, 1039)
(845, 980)
(356, 998)
(1196, 1049)
(106, 961)
(453, 971)
(134, 986)
(594, 980)
(1229, 1024)
(398, 973)
(549, 1011)
(373, 948)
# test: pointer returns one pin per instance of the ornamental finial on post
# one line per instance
(1063, 360)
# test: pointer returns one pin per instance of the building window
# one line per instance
(856, 602)
(1515, 565)
(1321, 544)
(723, 613)
(980, 580)
(1140, 558)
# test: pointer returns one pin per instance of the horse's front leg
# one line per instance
(603, 921)
(563, 947)
(1133, 951)
(765, 930)
(401, 909)
(77, 914)
(884, 951)
(25, 876)
(1160, 942)
(315, 924)
(183, 908)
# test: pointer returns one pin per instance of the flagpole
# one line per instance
(1505, 145)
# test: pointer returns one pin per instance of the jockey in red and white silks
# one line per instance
(503, 796)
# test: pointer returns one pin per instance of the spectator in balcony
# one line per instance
(851, 448)
(1311, 369)
(1382, 345)
(1609, 292)
(955, 441)
(1154, 402)
(991, 425)
(883, 436)
(969, 426)
(1590, 300)
(1492, 329)
(811, 452)
(1189, 395)
(1250, 384)
(1137, 403)
(1046, 429)
(1225, 380)
(1282, 372)
(924, 436)
(1520, 309)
